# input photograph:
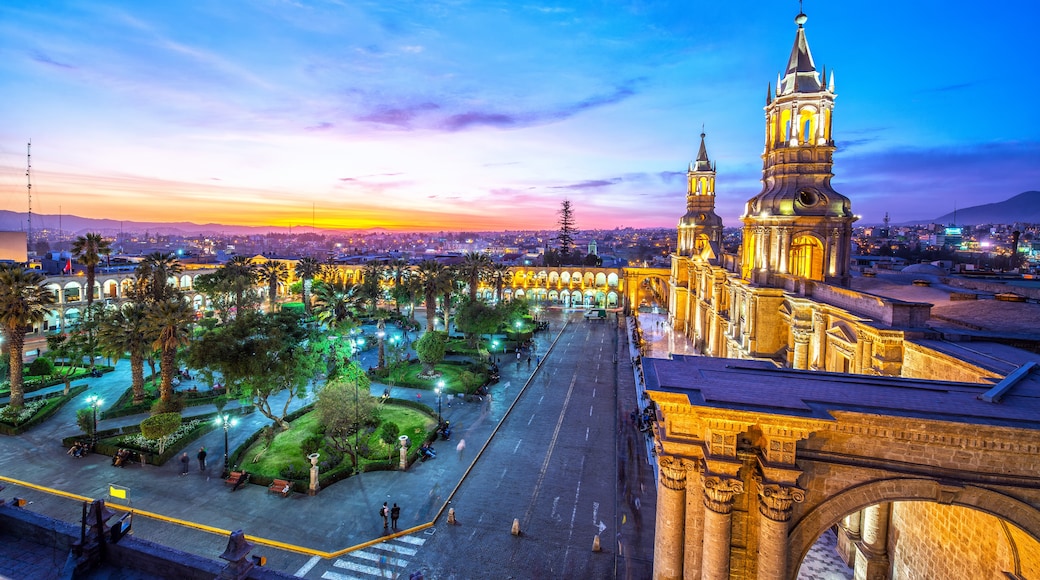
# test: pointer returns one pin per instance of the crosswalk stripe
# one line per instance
(412, 540)
(335, 576)
(376, 557)
(355, 567)
(396, 549)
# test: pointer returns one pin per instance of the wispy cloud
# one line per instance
(591, 184)
(42, 58)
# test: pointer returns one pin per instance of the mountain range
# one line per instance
(1022, 208)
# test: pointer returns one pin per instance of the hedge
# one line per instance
(44, 413)
(124, 406)
(109, 448)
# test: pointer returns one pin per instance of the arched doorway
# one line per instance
(806, 259)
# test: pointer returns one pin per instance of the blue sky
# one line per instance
(485, 115)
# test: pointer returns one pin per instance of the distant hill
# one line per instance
(1024, 208)
(76, 226)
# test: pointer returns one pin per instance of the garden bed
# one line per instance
(39, 409)
(286, 458)
(406, 374)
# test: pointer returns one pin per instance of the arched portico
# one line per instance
(919, 465)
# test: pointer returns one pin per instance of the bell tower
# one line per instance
(700, 229)
(798, 225)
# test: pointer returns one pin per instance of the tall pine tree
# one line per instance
(565, 239)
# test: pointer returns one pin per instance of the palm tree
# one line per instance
(371, 287)
(88, 250)
(500, 274)
(452, 286)
(153, 277)
(273, 273)
(474, 266)
(169, 325)
(239, 273)
(306, 269)
(333, 301)
(398, 271)
(125, 332)
(432, 276)
(23, 302)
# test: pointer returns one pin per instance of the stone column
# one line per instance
(775, 502)
(671, 516)
(848, 535)
(801, 348)
(694, 525)
(718, 504)
(872, 554)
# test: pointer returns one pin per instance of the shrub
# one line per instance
(85, 420)
(42, 367)
(312, 444)
(174, 405)
(390, 433)
(294, 471)
(160, 427)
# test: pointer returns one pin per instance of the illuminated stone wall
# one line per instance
(956, 543)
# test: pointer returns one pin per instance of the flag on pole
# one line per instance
(68, 266)
(118, 492)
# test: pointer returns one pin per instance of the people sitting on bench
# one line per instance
(121, 458)
(77, 450)
(281, 486)
(235, 479)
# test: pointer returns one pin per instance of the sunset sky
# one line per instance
(484, 115)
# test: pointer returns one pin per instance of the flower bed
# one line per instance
(41, 409)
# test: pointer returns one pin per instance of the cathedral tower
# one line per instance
(798, 225)
(700, 229)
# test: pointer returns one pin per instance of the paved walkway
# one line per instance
(342, 517)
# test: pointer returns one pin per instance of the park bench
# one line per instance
(236, 479)
(281, 486)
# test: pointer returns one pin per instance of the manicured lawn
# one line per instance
(286, 449)
(407, 375)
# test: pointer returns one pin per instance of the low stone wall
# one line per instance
(130, 553)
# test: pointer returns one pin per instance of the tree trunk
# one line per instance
(431, 311)
(137, 378)
(166, 373)
(68, 384)
(17, 348)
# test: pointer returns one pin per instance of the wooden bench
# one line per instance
(281, 486)
(236, 479)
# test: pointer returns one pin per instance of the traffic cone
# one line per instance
(516, 527)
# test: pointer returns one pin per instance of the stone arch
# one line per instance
(806, 256)
(55, 289)
(71, 292)
(831, 510)
(111, 289)
(554, 278)
(601, 279)
(613, 280)
(589, 279)
(185, 282)
(612, 300)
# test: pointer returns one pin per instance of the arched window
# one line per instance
(807, 258)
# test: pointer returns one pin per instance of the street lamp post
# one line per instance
(357, 426)
(95, 402)
(439, 390)
(518, 326)
(226, 421)
(494, 349)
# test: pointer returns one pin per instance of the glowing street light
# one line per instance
(226, 421)
(439, 390)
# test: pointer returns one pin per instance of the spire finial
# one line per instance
(702, 130)
(801, 18)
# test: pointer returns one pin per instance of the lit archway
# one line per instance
(806, 259)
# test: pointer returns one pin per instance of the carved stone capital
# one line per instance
(673, 472)
(775, 501)
(719, 492)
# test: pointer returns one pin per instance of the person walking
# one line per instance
(184, 463)
(395, 513)
(385, 512)
(202, 458)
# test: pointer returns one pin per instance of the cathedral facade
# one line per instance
(902, 444)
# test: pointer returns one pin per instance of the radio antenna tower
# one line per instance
(28, 189)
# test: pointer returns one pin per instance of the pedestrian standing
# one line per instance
(184, 463)
(528, 361)
(395, 513)
(461, 447)
(385, 512)
(202, 458)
